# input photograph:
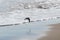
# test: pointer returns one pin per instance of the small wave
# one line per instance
(8, 25)
(45, 19)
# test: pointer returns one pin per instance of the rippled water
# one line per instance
(28, 31)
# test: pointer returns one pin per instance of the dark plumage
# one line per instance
(27, 19)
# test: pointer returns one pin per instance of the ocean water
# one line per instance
(27, 31)
(18, 16)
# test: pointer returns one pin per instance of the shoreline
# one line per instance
(54, 34)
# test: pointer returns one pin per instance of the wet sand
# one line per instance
(54, 34)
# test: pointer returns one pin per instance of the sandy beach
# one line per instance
(54, 34)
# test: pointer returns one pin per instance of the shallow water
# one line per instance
(28, 31)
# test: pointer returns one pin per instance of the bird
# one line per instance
(27, 18)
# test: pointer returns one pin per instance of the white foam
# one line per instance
(35, 15)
